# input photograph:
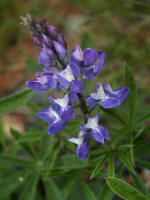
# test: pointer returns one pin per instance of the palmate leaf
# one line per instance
(12, 102)
(30, 188)
(47, 144)
(87, 190)
(139, 184)
(52, 191)
(146, 116)
(26, 146)
(132, 98)
(98, 167)
(126, 161)
(12, 182)
(9, 161)
(111, 167)
(114, 115)
(68, 185)
(106, 194)
(124, 190)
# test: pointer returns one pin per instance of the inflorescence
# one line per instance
(69, 74)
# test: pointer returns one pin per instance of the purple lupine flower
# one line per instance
(68, 77)
(60, 49)
(47, 57)
(58, 114)
(44, 81)
(76, 56)
(53, 116)
(91, 62)
(52, 31)
(98, 132)
(66, 110)
(107, 97)
(83, 146)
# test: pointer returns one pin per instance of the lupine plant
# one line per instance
(73, 148)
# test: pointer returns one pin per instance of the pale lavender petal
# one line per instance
(62, 80)
(77, 86)
(82, 150)
(109, 103)
(35, 85)
(60, 49)
(56, 127)
(90, 56)
(97, 135)
(104, 132)
(67, 114)
(91, 101)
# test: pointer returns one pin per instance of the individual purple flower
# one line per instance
(60, 49)
(44, 81)
(98, 132)
(47, 57)
(58, 114)
(91, 62)
(53, 116)
(66, 110)
(76, 56)
(68, 77)
(107, 97)
(83, 146)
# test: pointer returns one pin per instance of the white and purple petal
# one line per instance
(122, 93)
(56, 127)
(45, 115)
(75, 70)
(99, 63)
(36, 85)
(91, 101)
(104, 132)
(110, 102)
(77, 56)
(62, 102)
(92, 123)
(67, 114)
(82, 150)
(97, 135)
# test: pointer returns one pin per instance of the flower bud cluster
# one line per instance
(69, 74)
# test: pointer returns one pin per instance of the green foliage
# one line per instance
(124, 190)
(12, 102)
(132, 99)
(29, 190)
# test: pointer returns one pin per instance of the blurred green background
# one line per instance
(119, 27)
